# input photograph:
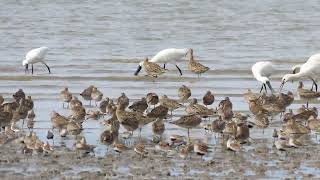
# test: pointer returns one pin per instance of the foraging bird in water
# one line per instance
(208, 98)
(165, 56)
(308, 70)
(34, 56)
(262, 71)
(151, 68)
(195, 66)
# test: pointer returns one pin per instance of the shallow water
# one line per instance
(101, 43)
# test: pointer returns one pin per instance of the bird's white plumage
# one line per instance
(262, 70)
(170, 55)
(310, 69)
(35, 55)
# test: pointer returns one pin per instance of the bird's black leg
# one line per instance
(265, 88)
(179, 70)
(315, 84)
(31, 68)
(164, 65)
(261, 88)
(312, 87)
(47, 67)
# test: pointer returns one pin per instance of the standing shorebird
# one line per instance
(165, 56)
(158, 127)
(152, 69)
(124, 100)
(188, 121)
(208, 98)
(262, 71)
(103, 105)
(17, 96)
(169, 103)
(75, 102)
(34, 56)
(184, 93)
(152, 99)
(307, 94)
(139, 106)
(65, 96)
(96, 95)
(195, 66)
(128, 120)
(308, 70)
(86, 94)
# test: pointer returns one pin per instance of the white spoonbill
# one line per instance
(165, 56)
(35, 56)
(262, 70)
(296, 69)
(308, 70)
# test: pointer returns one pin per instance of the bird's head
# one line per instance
(140, 66)
(286, 78)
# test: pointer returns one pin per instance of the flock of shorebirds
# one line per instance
(232, 126)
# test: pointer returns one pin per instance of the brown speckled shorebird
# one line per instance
(208, 98)
(75, 102)
(83, 146)
(128, 120)
(305, 115)
(256, 108)
(73, 127)
(103, 105)
(184, 93)
(96, 95)
(243, 132)
(78, 113)
(124, 100)
(112, 123)
(119, 147)
(111, 108)
(94, 114)
(17, 96)
(139, 106)
(30, 123)
(188, 121)
(314, 124)
(158, 112)
(140, 150)
(195, 66)
(249, 95)
(198, 109)
(108, 137)
(225, 109)
(233, 144)
(307, 94)
(158, 127)
(65, 96)
(218, 125)
(152, 99)
(152, 69)
(86, 94)
(28, 103)
(171, 104)
(293, 127)
(262, 121)
(6, 117)
(200, 148)
(58, 121)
